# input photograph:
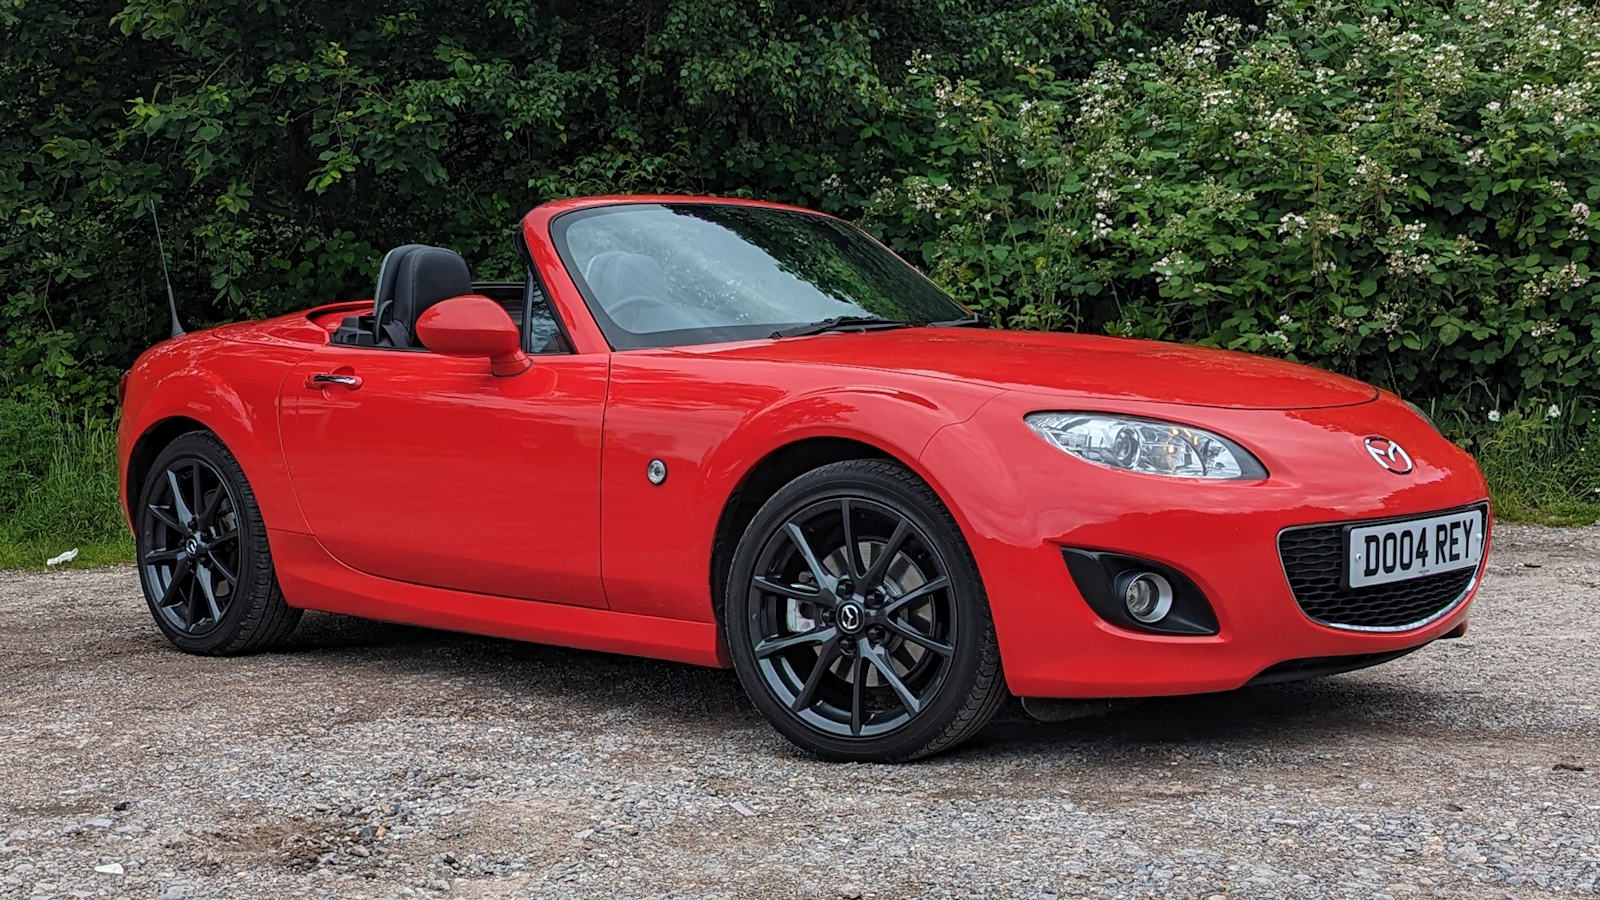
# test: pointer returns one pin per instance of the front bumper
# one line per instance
(1020, 501)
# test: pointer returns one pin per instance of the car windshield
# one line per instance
(664, 275)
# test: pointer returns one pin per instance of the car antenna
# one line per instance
(172, 301)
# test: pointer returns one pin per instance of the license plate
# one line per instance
(1396, 551)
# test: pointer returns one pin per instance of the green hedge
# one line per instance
(1398, 190)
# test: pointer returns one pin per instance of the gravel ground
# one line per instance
(374, 760)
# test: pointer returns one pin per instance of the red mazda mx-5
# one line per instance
(742, 434)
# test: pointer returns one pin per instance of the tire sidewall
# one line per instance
(975, 628)
(201, 446)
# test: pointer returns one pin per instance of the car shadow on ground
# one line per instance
(1295, 717)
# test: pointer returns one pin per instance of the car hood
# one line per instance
(1072, 365)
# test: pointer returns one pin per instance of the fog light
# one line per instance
(1148, 597)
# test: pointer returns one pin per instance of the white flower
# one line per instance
(1101, 227)
(1580, 211)
(1494, 415)
(1554, 412)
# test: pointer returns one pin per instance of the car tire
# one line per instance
(202, 551)
(884, 654)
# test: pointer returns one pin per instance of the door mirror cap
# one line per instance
(474, 326)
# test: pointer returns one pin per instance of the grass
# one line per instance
(58, 488)
(32, 556)
(58, 479)
(1541, 469)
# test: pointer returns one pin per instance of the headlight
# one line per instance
(1146, 445)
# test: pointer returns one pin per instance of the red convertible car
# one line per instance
(741, 434)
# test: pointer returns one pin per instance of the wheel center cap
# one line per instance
(851, 617)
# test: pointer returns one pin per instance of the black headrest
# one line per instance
(388, 270)
(411, 279)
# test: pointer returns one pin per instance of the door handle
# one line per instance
(325, 380)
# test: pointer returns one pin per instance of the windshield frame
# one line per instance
(620, 338)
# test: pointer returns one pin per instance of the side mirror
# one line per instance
(474, 326)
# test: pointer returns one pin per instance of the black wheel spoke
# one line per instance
(886, 555)
(792, 591)
(196, 608)
(852, 548)
(204, 576)
(198, 495)
(858, 694)
(159, 556)
(166, 519)
(902, 655)
(772, 646)
(179, 505)
(228, 535)
(915, 594)
(180, 573)
(808, 693)
(209, 517)
(801, 544)
(880, 660)
(917, 637)
(222, 569)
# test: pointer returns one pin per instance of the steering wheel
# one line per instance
(619, 312)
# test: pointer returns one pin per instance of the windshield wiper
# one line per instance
(838, 323)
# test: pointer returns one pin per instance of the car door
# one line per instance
(428, 469)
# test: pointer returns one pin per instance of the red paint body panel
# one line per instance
(440, 495)
(711, 421)
(1071, 366)
(318, 581)
(1037, 500)
(436, 472)
(230, 386)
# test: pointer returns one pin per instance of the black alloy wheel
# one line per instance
(203, 559)
(857, 619)
(192, 545)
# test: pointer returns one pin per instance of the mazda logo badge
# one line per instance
(850, 618)
(1390, 455)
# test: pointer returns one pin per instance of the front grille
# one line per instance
(1313, 558)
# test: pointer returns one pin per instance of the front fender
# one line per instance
(232, 389)
(713, 424)
(896, 421)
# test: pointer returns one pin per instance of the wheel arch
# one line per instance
(148, 446)
(764, 479)
(236, 401)
(891, 422)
